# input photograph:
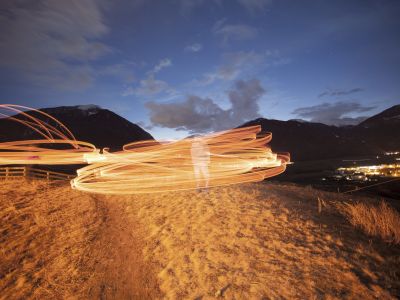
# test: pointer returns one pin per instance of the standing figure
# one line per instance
(201, 159)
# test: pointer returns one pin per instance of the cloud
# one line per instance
(150, 85)
(144, 125)
(52, 42)
(196, 114)
(187, 6)
(338, 92)
(275, 58)
(236, 32)
(244, 98)
(119, 70)
(334, 114)
(235, 64)
(164, 63)
(196, 47)
(254, 6)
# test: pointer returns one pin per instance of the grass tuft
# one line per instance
(376, 220)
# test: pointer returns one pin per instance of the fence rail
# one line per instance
(18, 172)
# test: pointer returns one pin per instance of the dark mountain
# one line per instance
(315, 141)
(383, 129)
(88, 123)
(304, 140)
(389, 117)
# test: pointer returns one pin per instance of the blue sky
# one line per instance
(178, 67)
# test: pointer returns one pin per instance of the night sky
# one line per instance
(195, 66)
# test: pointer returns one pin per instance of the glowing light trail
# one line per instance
(231, 157)
(236, 156)
(59, 146)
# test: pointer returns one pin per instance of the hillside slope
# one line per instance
(307, 141)
(88, 123)
(57, 243)
(252, 241)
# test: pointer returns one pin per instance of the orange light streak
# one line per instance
(224, 158)
(43, 152)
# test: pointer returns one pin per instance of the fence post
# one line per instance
(48, 175)
(24, 172)
(6, 173)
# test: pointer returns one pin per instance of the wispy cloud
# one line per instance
(233, 32)
(144, 125)
(123, 70)
(254, 6)
(338, 113)
(164, 63)
(150, 85)
(339, 92)
(196, 47)
(147, 87)
(275, 58)
(234, 64)
(196, 114)
(52, 42)
(187, 6)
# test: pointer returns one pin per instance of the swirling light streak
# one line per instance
(41, 127)
(235, 156)
(42, 152)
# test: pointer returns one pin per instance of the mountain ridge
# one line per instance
(89, 123)
(313, 141)
(302, 139)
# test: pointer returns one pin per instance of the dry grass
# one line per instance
(252, 241)
(377, 220)
(44, 240)
(259, 241)
(57, 243)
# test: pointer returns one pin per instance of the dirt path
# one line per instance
(56, 243)
(121, 272)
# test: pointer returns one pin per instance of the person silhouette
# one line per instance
(200, 158)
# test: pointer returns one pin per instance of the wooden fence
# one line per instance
(7, 173)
